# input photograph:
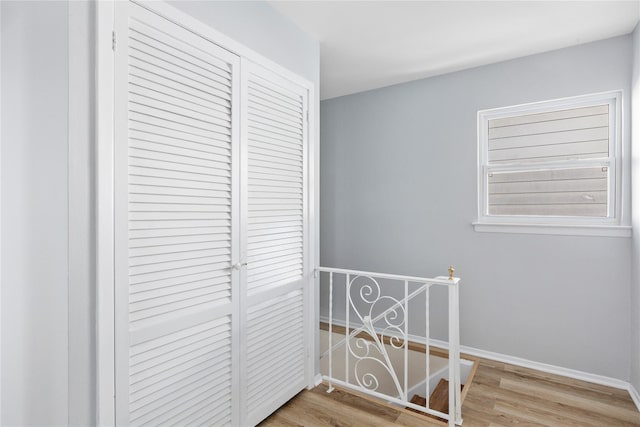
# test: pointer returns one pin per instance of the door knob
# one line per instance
(239, 265)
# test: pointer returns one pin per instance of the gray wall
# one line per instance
(82, 292)
(635, 255)
(34, 213)
(260, 27)
(48, 228)
(398, 195)
(48, 339)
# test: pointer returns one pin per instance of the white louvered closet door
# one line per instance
(275, 227)
(176, 198)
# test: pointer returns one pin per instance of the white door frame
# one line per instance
(0, 212)
(105, 260)
(105, 332)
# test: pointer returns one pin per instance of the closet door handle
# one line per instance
(238, 266)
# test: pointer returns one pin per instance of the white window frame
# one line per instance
(542, 224)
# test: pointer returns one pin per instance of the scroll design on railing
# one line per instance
(380, 325)
(370, 307)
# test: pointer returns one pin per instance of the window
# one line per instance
(551, 167)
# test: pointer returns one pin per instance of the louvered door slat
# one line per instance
(175, 197)
(172, 252)
(262, 88)
(276, 162)
(275, 221)
(183, 117)
(142, 238)
(149, 58)
(276, 150)
(166, 55)
(189, 51)
(146, 95)
(161, 181)
(295, 258)
(276, 349)
(275, 115)
(147, 193)
(207, 162)
(179, 177)
(263, 145)
(163, 133)
(151, 144)
(181, 96)
(142, 249)
(268, 135)
(276, 241)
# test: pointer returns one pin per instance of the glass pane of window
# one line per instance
(571, 192)
(577, 133)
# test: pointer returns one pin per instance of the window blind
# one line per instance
(524, 154)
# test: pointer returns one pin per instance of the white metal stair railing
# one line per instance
(394, 316)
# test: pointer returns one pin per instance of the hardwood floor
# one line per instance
(500, 395)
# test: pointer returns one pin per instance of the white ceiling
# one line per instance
(370, 44)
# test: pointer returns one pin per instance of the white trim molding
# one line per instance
(105, 369)
(1, 213)
(538, 366)
(635, 396)
(562, 230)
(312, 292)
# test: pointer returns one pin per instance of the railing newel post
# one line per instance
(330, 389)
(455, 407)
(346, 331)
(427, 350)
(451, 345)
(406, 340)
(458, 413)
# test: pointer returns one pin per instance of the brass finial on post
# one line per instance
(451, 271)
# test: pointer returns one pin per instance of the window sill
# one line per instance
(563, 230)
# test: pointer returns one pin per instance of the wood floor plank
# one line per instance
(407, 420)
(551, 409)
(280, 420)
(533, 415)
(501, 395)
(352, 400)
(616, 397)
(526, 386)
(483, 412)
(343, 414)
(595, 390)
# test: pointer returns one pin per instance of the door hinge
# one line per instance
(113, 40)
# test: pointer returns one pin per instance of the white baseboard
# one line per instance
(318, 379)
(525, 363)
(635, 396)
(544, 367)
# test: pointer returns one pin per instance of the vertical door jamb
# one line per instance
(0, 213)
(105, 333)
(237, 193)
